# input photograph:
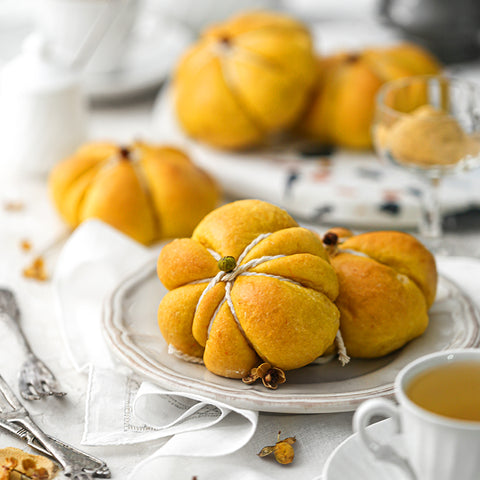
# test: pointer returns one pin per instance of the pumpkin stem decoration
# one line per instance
(330, 240)
(333, 239)
(227, 264)
(125, 153)
(226, 41)
(271, 377)
(352, 58)
(282, 450)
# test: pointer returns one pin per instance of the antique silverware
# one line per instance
(15, 418)
(35, 378)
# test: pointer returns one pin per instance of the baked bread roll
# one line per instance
(249, 286)
(245, 79)
(148, 192)
(387, 282)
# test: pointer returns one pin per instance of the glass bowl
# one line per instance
(429, 125)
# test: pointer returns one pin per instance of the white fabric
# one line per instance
(89, 267)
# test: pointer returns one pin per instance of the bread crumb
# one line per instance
(13, 206)
(25, 245)
(36, 270)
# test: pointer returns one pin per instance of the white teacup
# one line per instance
(67, 25)
(438, 447)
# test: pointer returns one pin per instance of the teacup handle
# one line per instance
(362, 419)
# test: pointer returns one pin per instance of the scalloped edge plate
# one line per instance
(131, 331)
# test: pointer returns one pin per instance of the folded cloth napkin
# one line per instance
(120, 408)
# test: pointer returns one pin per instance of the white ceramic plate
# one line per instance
(351, 460)
(131, 330)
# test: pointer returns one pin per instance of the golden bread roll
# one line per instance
(343, 106)
(271, 298)
(245, 79)
(387, 282)
(148, 192)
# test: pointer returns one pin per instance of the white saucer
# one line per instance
(150, 57)
(351, 460)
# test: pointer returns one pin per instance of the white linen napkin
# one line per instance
(120, 409)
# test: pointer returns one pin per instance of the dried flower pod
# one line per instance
(40, 474)
(7, 467)
(284, 453)
(282, 450)
(271, 377)
(29, 465)
(17, 464)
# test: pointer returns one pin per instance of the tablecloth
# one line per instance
(317, 435)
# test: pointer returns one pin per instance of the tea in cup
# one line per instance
(438, 414)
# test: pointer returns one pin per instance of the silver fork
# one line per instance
(35, 378)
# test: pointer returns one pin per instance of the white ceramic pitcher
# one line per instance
(43, 112)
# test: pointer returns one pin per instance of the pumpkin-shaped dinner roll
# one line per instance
(387, 282)
(148, 192)
(249, 286)
(343, 106)
(245, 79)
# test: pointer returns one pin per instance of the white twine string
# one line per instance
(353, 252)
(229, 278)
(184, 356)
(334, 250)
(343, 357)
